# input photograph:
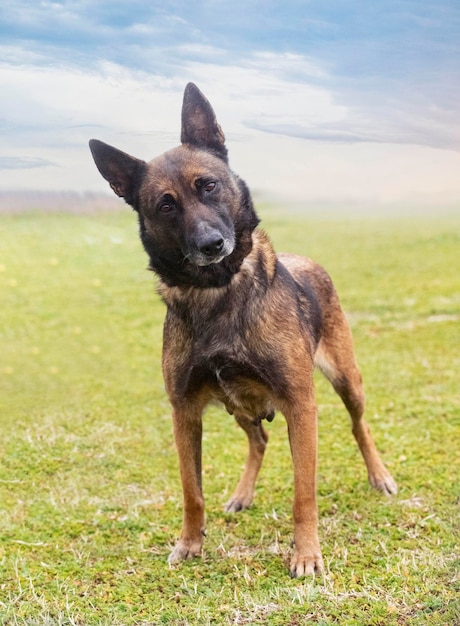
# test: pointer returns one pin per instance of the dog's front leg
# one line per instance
(301, 418)
(188, 434)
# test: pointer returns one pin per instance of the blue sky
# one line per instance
(321, 101)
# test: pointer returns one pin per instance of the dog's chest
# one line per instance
(240, 385)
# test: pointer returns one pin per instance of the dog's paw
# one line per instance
(306, 564)
(238, 503)
(185, 549)
(384, 482)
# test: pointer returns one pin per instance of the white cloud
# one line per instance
(258, 91)
(50, 112)
(23, 163)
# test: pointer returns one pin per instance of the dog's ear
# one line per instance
(199, 124)
(121, 170)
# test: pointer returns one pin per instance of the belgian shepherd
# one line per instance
(243, 326)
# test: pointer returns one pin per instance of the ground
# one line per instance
(90, 494)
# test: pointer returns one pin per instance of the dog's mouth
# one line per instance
(204, 261)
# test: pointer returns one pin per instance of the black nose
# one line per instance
(212, 246)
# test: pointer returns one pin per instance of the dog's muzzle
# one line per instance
(209, 249)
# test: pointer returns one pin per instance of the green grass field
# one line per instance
(90, 495)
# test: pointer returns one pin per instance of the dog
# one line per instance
(243, 326)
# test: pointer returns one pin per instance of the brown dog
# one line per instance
(243, 326)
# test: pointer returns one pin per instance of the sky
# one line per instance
(350, 103)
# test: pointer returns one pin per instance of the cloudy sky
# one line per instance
(321, 101)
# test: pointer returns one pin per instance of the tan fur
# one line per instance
(274, 327)
(243, 326)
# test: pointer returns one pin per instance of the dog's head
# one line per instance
(196, 217)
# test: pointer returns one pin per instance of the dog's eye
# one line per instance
(210, 186)
(205, 186)
(166, 207)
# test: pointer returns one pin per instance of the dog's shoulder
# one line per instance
(308, 274)
(316, 293)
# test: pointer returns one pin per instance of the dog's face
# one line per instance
(186, 200)
(195, 215)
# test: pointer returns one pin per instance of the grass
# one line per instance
(90, 495)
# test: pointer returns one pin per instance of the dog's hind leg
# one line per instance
(257, 438)
(335, 358)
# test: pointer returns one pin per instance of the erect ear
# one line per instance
(120, 169)
(199, 124)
